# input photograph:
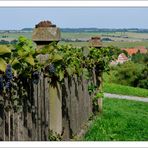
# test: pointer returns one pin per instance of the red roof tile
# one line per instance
(132, 51)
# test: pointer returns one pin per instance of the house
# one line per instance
(131, 51)
(135, 50)
(121, 59)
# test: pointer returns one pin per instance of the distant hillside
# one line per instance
(104, 30)
(27, 29)
(74, 30)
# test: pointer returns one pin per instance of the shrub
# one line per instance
(128, 73)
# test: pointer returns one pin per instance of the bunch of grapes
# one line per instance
(63, 65)
(9, 76)
(1, 85)
(51, 69)
(36, 77)
(9, 72)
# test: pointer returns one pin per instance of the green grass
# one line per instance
(125, 90)
(127, 44)
(124, 44)
(76, 44)
(121, 44)
(12, 36)
(121, 120)
(131, 35)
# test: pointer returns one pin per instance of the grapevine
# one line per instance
(8, 76)
(1, 85)
(21, 63)
(35, 77)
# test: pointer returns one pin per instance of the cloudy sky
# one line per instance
(100, 17)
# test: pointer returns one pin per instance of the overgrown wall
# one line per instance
(62, 108)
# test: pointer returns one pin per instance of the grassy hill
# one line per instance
(121, 120)
(125, 90)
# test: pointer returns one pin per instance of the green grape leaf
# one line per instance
(30, 60)
(16, 64)
(56, 57)
(4, 50)
(69, 71)
(3, 65)
(15, 61)
(61, 75)
(22, 39)
(22, 53)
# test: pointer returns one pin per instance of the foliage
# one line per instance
(99, 95)
(124, 90)
(53, 136)
(129, 73)
(140, 58)
(54, 61)
(142, 80)
(121, 120)
(102, 57)
(132, 73)
(91, 88)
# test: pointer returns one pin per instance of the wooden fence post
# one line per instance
(55, 106)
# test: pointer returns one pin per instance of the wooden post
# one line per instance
(100, 105)
(100, 100)
(55, 106)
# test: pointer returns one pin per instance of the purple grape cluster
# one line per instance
(1, 85)
(63, 65)
(9, 76)
(36, 77)
(51, 68)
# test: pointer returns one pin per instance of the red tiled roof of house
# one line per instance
(132, 51)
(142, 49)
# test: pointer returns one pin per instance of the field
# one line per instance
(133, 40)
(119, 40)
(113, 35)
(121, 120)
(15, 35)
(117, 44)
(125, 90)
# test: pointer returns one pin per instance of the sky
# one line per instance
(18, 18)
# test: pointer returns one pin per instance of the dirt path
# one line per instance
(118, 96)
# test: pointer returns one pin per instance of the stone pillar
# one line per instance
(97, 74)
(45, 33)
(95, 42)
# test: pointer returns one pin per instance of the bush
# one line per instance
(142, 81)
(129, 73)
(140, 58)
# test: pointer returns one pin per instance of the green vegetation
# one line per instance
(130, 73)
(14, 35)
(118, 44)
(134, 39)
(125, 90)
(127, 44)
(23, 63)
(121, 120)
(76, 44)
(130, 35)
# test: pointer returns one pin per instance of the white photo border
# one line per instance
(66, 3)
